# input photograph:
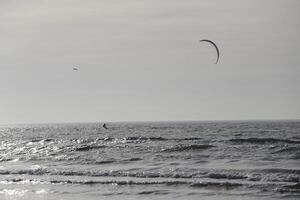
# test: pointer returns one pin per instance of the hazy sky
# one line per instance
(141, 60)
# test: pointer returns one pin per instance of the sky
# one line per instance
(141, 60)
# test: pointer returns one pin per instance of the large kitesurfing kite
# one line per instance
(211, 42)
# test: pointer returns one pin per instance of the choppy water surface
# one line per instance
(183, 160)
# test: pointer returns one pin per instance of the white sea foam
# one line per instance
(17, 193)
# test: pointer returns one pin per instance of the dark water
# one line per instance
(183, 160)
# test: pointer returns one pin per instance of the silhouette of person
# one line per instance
(104, 126)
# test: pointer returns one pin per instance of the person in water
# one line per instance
(104, 126)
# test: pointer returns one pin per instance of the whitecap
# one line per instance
(13, 192)
(42, 191)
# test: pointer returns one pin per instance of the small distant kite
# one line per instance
(217, 49)
(75, 69)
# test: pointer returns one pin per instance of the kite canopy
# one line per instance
(211, 42)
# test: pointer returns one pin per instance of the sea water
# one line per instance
(151, 160)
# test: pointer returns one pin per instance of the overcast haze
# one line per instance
(141, 60)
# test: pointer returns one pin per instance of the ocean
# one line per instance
(151, 160)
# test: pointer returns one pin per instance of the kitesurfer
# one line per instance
(104, 126)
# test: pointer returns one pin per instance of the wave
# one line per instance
(146, 138)
(156, 192)
(193, 147)
(227, 176)
(39, 171)
(281, 171)
(136, 138)
(255, 175)
(42, 140)
(288, 149)
(226, 185)
(104, 162)
(191, 138)
(113, 161)
(271, 175)
(129, 182)
(295, 188)
(105, 173)
(263, 141)
(87, 148)
(19, 181)
(215, 185)
(133, 159)
(92, 182)
(6, 159)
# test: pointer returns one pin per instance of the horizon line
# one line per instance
(149, 121)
